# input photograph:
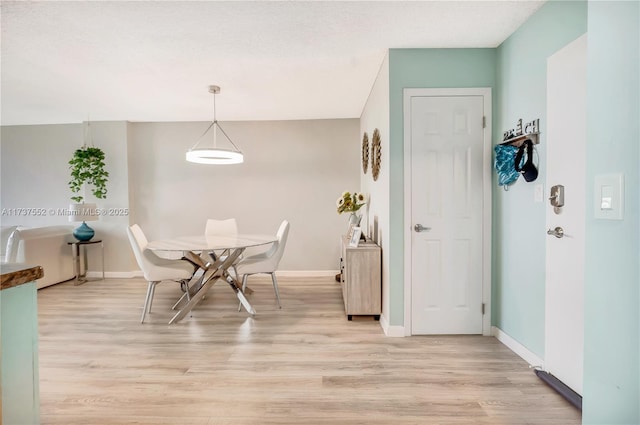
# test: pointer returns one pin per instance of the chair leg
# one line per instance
(275, 288)
(147, 301)
(244, 286)
(246, 290)
(153, 293)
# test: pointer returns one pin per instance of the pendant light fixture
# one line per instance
(214, 155)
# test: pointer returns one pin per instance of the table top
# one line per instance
(210, 242)
(89, 242)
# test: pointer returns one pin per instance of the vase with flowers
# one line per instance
(351, 203)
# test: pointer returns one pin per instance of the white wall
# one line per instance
(35, 174)
(293, 170)
(112, 138)
(35, 171)
(376, 115)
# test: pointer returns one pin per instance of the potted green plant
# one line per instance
(87, 166)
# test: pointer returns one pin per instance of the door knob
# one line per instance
(420, 228)
(558, 232)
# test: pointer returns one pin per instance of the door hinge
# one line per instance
(484, 122)
(482, 308)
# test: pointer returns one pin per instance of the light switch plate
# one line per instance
(608, 196)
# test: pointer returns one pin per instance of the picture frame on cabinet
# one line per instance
(355, 237)
(350, 231)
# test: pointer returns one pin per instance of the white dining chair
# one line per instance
(266, 262)
(157, 269)
(226, 227)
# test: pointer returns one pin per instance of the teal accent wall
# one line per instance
(421, 68)
(612, 298)
(518, 305)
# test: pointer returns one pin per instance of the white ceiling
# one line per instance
(65, 62)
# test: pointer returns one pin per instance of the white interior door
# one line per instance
(447, 139)
(566, 138)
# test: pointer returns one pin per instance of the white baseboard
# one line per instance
(307, 273)
(115, 275)
(283, 273)
(391, 331)
(517, 348)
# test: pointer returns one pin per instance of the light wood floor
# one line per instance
(304, 364)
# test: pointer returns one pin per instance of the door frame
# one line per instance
(485, 92)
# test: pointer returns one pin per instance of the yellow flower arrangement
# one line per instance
(350, 202)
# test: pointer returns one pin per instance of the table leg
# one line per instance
(75, 247)
(211, 278)
(86, 262)
(236, 288)
(234, 283)
(76, 259)
(216, 271)
(80, 276)
(247, 290)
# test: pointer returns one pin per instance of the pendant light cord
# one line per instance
(215, 121)
(87, 131)
(229, 138)
(203, 134)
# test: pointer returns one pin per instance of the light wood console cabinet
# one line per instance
(360, 270)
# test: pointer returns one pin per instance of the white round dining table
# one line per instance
(231, 247)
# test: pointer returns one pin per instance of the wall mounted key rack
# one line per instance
(516, 136)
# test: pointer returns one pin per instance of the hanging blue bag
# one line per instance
(505, 164)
